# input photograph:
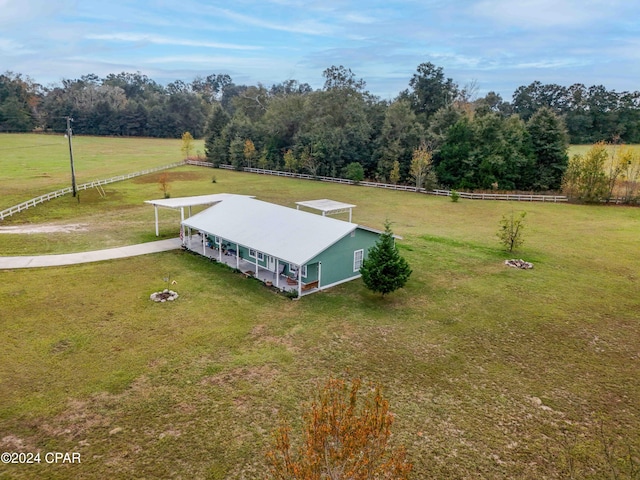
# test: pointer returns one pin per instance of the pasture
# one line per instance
(492, 372)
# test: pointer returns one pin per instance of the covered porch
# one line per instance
(227, 252)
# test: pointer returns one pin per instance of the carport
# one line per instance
(187, 202)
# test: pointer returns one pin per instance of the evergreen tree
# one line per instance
(385, 270)
(550, 143)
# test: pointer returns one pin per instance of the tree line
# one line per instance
(342, 129)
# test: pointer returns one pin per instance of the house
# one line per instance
(292, 249)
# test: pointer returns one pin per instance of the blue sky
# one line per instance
(497, 44)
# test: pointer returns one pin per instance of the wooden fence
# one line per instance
(389, 186)
(85, 186)
(406, 188)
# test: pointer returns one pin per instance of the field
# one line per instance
(582, 149)
(492, 372)
(33, 165)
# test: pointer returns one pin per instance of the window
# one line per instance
(293, 269)
(253, 254)
(358, 256)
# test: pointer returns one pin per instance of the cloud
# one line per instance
(298, 26)
(160, 40)
(532, 14)
(10, 48)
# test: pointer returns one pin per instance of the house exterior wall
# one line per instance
(337, 260)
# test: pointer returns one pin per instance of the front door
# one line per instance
(271, 263)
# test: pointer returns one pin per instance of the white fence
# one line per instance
(405, 188)
(64, 191)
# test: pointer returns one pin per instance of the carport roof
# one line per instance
(181, 202)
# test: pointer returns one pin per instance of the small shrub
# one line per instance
(346, 435)
(455, 196)
(510, 232)
(292, 294)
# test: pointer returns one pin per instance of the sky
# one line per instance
(492, 45)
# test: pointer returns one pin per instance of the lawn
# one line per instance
(33, 165)
(492, 372)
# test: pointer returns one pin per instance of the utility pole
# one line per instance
(73, 170)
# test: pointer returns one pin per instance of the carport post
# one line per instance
(157, 232)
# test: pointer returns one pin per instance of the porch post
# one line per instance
(256, 264)
(237, 257)
(182, 226)
(299, 281)
(319, 275)
(204, 243)
(277, 273)
(219, 248)
(157, 232)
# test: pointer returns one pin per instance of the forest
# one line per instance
(342, 129)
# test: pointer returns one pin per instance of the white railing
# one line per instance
(64, 191)
(404, 188)
(505, 196)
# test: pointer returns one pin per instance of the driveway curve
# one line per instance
(8, 263)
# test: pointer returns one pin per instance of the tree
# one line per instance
(236, 153)
(187, 144)
(394, 175)
(630, 175)
(421, 163)
(249, 152)
(585, 178)
(163, 182)
(354, 172)
(510, 232)
(400, 134)
(340, 78)
(550, 143)
(346, 436)
(385, 270)
(291, 163)
(430, 91)
(215, 147)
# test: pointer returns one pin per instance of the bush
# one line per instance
(345, 435)
(510, 232)
(354, 172)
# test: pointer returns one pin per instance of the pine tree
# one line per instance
(385, 270)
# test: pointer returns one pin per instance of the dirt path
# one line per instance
(51, 228)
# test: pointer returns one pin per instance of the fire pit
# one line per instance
(165, 296)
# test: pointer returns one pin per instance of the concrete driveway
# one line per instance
(7, 263)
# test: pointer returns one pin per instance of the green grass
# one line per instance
(492, 372)
(582, 149)
(33, 165)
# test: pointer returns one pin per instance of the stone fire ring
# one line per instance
(165, 296)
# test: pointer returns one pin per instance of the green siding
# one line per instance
(337, 260)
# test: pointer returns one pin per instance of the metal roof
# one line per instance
(286, 233)
(181, 202)
(325, 205)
